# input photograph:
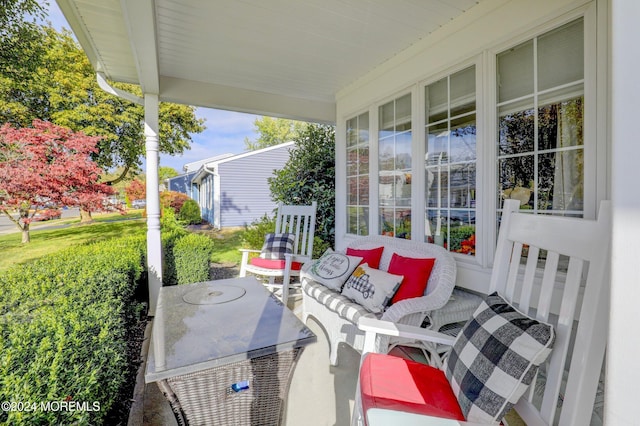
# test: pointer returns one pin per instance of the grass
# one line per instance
(226, 245)
(46, 241)
(104, 226)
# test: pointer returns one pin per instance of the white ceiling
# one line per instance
(274, 57)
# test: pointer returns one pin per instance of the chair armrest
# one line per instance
(373, 327)
(243, 250)
(423, 304)
(245, 260)
(297, 257)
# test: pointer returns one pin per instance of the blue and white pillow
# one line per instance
(494, 359)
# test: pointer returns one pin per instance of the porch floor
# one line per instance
(319, 394)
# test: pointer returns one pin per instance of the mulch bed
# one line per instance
(119, 413)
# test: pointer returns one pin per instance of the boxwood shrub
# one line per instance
(191, 255)
(64, 320)
(63, 325)
(190, 213)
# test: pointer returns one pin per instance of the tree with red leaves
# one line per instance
(47, 165)
(136, 190)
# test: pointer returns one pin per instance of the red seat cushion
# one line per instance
(369, 256)
(274, 263)
(395, 383)
(416, 274)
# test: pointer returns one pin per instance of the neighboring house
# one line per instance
(234, 191)
(182, 183)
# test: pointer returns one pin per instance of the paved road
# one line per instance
(8, 227)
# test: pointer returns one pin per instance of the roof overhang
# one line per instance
(285, 59)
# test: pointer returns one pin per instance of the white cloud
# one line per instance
(225, 133)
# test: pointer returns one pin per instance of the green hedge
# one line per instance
(63, 325)
(192, 254)
(64, 320)
(170, 273)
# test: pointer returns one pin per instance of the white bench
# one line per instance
(339, 316)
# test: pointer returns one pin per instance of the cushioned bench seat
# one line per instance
(339, 315)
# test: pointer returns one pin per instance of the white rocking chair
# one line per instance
(574, 299)
(299, 221)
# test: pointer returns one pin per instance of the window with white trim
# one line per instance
(540, 142)
(394, 167)
(358, 175)
(450, 161)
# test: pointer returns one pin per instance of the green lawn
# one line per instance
(104, 226)
(46, 241)
(226, 245)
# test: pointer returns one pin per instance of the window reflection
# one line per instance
(450, 162)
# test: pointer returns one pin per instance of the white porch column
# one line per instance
(623, 373)
(154, 243)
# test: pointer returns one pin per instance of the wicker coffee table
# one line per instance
(223, 352)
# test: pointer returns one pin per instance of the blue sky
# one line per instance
(225, 133)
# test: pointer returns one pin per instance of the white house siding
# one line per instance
(475, 39)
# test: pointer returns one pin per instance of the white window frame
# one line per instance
(347, 176)
(591, 123)
(478, 63)
(596, 147)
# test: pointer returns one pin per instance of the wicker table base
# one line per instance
(208, 397)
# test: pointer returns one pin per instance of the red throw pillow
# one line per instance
(369, 256)
(416, 274)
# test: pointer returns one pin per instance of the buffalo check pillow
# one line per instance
(277, 245)
(494, 359)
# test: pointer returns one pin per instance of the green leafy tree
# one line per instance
(310, 175)
(273, 131)
(165, 173)
(21, 55)
(62, 88)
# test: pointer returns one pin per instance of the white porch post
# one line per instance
(154, 243)
(623, 374)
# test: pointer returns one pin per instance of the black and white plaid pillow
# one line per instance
(494, 359)
(277, 245)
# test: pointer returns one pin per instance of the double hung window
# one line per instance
(540, 141)
(450, 161)
(394, 167)
(358, 175)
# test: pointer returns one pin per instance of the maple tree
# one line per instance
(136, 190)
(48, 165)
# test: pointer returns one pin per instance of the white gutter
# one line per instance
(104, 85)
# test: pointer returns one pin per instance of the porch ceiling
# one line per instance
(281, 58)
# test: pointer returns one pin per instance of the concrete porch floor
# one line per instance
(320, 395)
